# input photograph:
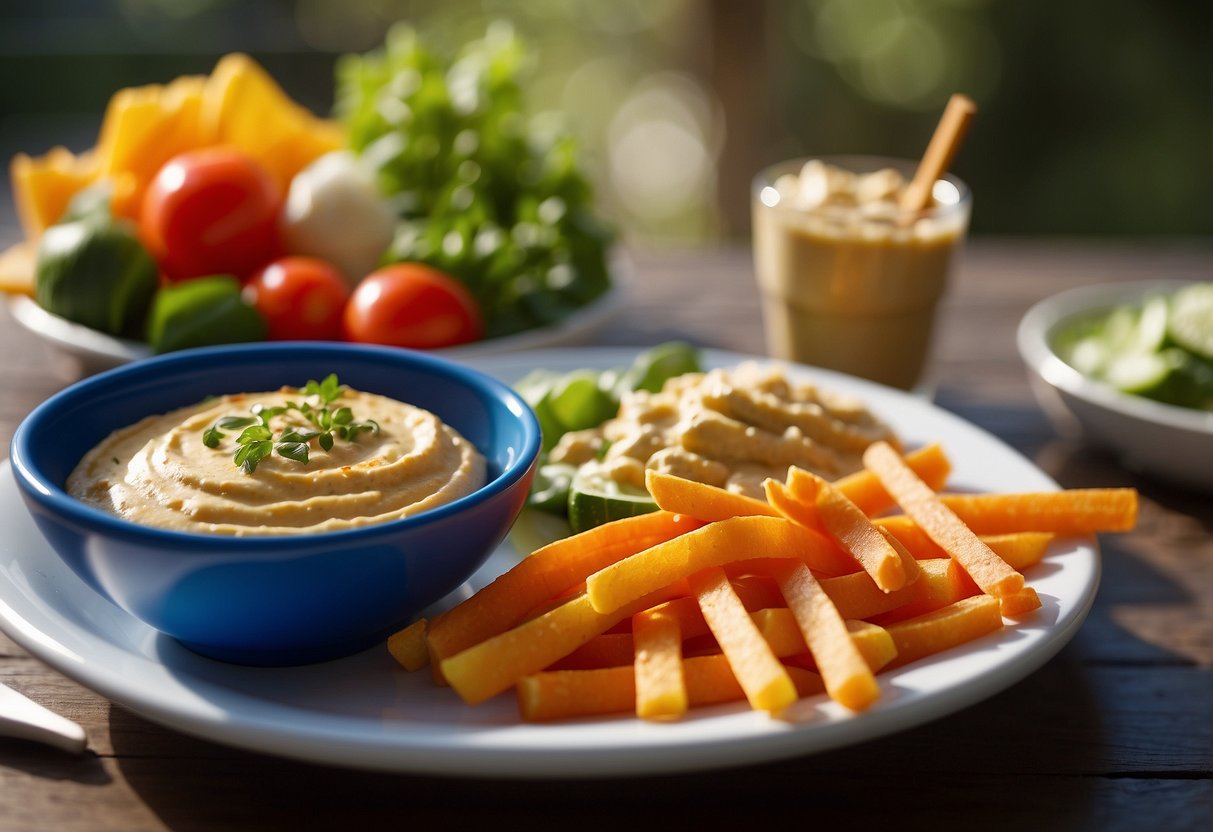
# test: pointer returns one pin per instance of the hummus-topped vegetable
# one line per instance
(333, 459)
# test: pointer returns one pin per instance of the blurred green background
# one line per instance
(1094, 118)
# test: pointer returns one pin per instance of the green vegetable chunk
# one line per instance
(202, 312)
(96, 272)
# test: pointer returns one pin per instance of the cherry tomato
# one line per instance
(211, 211)
(412, 305)
(301, 299)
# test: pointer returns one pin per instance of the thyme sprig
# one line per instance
(324, 423)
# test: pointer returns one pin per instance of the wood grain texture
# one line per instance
(1115, 733)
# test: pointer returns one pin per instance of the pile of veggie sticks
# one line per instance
(720, 597)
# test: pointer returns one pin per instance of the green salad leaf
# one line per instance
(481, 193)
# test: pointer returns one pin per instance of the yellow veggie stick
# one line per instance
(699, 500)
(863, 489)
(1074, 511)
(765, 681)
(921, 503)
(778, 626)
(847, 677)
(606, 650)
(944, 629)
(564, 694)
(545, 574)
(408, 646)
(661, 691)
(496, 664)
(715, 544)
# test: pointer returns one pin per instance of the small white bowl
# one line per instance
(1168, 442)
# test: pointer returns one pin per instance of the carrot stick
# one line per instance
(486, 669)
(703, 502)
(942, 582)
(921, 503)
(1020, 603)
(545, 574)
(944, 628)
(712, 545)
(765, 681)
(847, 524)
(1074, 511)
(408, 646)
(863, 489)
(847, 677)
(563, 694)
(778, 626)
(605, 650)
(1019, 549)
(661, 691)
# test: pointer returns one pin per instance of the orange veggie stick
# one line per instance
(699, 500)
(778, 626)
(864, 489)
(715, 544)
(605, 650)
(942, 582)
(545, 574)
(945, 628)
(921, 503)
(847, 677)
(766, 682)
(1074, 511)
(1019, 549)
(408, 646)
(497, 663)
(857, 596)
(661, 691)
(843, 521)
(1021, 603)
(799, 506)
(553, 695)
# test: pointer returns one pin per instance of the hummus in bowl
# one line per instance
(294, 563)
(161, 472)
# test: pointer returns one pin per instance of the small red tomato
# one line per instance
(211, 211)
(301, 299)
(412, 305)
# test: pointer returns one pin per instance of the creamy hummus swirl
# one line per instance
(158, 472)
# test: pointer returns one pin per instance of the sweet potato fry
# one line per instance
(545, 574)
(765, 681)
(497, 663)
(863, 489)
(563, 694)
(408, 646)
(661, 691)
(1075, 511)
(945, 628)
(712, 545)
(922, 504)
(703, 502)
(847, 677)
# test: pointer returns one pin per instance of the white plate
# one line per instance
(1169, 442)
(365, 712)
(97, 351)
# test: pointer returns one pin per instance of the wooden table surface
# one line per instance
(1116, 732)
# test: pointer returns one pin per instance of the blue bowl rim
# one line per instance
(53, 497)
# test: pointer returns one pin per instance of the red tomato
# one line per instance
(301, 299)
(412, 305)
(211, 211)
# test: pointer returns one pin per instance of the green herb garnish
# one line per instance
(257, 439)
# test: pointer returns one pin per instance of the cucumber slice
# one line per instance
(595, 499)
(1140, 373)
(1191, 321)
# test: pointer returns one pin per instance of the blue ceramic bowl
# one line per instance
(290, 599)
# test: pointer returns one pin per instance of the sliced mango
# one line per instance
(43, 186)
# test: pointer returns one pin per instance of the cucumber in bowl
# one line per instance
(1160, 348)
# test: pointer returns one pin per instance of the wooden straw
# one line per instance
(949, 133)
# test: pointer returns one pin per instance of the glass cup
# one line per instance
(848, 287)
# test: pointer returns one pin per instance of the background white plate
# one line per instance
(365, 712)
(97, 351)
